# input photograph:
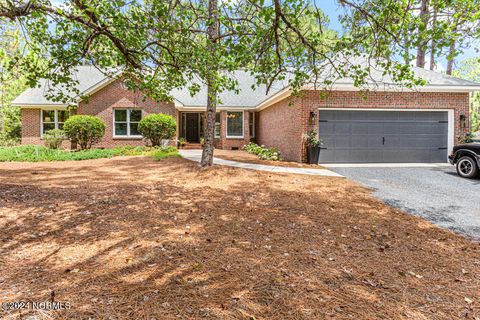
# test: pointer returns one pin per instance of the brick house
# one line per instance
(389, 124)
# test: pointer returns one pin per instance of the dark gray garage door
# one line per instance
(383, 136)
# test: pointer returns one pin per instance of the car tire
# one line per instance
(467, 167)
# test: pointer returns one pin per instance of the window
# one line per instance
(251, 124)
(126, 122)
(235, 124)
(217, 125)
(53, 119)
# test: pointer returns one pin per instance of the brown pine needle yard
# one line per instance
(131, 238)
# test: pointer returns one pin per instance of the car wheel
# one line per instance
(467, 167)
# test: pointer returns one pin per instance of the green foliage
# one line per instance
(30, 153)
(470, 69)
(163, 153)
(466, 138)
(262, 152)
(12, 126)
(84, 130)
(54, 138)
(12, 82)
(6, 141)
(157, 127)
(311, 139)
(182, 142)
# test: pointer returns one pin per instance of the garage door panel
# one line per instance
(342, 128)
(383, 136)
(375, 142)
(359, 128)
(326, 128)
(343, 142)
(360, 141)
(375, 128)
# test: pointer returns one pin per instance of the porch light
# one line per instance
(312, 117)
(463, 121)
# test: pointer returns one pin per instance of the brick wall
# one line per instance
(31, 126)
(282, 125)
(103, 102)
(228, 143)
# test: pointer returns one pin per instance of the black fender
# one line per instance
(465, 152)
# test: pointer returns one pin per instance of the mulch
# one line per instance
(131, 238)
(243, 156)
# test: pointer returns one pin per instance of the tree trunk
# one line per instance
(212, 69)
(421, 49)
(433, 47)
(451, 54)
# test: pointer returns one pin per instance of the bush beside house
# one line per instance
(84, 130)
(157, 127)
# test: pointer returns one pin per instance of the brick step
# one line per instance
(193, 146)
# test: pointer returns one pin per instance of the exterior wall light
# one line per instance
(312, 118)
(463, 121)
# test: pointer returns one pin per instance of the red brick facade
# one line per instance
(280, 125)
(114, 96)
(236, 143)
(283, 124)
(31, 126)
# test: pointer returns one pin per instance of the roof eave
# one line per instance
(286, 92)
(39, 105)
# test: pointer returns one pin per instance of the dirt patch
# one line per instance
(130, 238)
(242, 156)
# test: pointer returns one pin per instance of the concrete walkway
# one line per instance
(195, 155)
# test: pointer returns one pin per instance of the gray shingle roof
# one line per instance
(247, 97)
(87, 77)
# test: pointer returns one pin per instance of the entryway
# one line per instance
(191, 126)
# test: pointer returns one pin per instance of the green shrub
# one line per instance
(30, 153)
(262, 152)
(12, 126)
(7, 141)
(157, 127)
(311, 139)
(54, 138)
(163, 153)
(182, 142)
(84, 130)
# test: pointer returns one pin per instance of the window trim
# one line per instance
(215, 125)
(55, 119)
(250, 114)
(128, 135)
(243, 125)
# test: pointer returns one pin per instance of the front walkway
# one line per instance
(195, 155)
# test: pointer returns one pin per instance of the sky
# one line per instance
(332, 10)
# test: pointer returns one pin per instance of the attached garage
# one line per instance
(384, 136)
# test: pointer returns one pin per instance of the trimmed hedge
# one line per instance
(157, 127)
(84, 130)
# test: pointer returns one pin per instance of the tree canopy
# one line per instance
(162, 45)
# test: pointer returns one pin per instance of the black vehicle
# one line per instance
(467, 159)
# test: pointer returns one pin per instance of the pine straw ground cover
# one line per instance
(131, 238)
(243, 156)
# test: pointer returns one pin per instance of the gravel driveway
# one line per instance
(434, 193)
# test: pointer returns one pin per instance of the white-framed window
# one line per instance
(125, 122)
(234, 124)
(53, 119)
(218, 125)
(251, 124)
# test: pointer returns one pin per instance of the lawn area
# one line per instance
(133, 238)
(30, 153)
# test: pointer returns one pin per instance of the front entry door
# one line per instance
(192, 129)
